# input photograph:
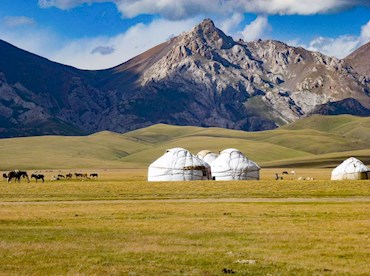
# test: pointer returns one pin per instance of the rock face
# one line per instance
(202, 78)
(360, 60)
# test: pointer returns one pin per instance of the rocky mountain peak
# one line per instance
(207, 33)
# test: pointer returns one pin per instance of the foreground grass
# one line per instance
(184, 238)
(77, 227)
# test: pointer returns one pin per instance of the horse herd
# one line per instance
(17, 175)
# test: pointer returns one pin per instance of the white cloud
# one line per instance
(16, 21)
(32, 38)
(365, 33)
(181, 9)
(230, 24)
(341, 46)
(338, 47)
(256, 29)
(67, 4)
(174, 9)
(302, 7)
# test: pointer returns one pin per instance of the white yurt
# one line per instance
(178, 164)
(207, 155)
(351, 169)
(231, 164)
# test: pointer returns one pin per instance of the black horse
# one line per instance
(38, 176)
(94, 175)
(17, 175)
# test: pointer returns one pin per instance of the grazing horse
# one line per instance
(17, 175)
(78, 175)
(5, 176)
(38, 176)
(284, 172)
(68, 176)
(60, 176)
(93, 175)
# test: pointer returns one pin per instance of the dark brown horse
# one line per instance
(94, 175)
(78, 175)
(38, 176)
(17, 175)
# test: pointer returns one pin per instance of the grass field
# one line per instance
(122, 224)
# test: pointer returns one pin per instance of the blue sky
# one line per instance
(97, 34)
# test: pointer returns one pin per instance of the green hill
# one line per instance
(318, 141)
(100, 150)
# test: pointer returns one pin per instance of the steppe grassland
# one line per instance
(184, 238)
(77, 227)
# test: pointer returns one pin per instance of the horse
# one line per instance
(60, 176)
(93, 175)
(5, 176)
(78, 175)
(69, 176)
(285, 172)
(17, 175)
(38, 176)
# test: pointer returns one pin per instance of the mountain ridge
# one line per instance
(202, 77)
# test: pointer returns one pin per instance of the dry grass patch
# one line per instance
(92, 234)
(184, 238)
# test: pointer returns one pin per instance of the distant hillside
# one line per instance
(315, 141)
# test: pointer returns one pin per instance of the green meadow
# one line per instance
(121, 224)
(317, 141)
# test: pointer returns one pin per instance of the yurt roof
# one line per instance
(230, 150)
(358, 165)
(203, 153)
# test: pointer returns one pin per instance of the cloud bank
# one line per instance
(256, 29)
(181, 9)
(341, 46)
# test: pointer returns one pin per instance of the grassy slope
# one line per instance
(104, 149)
(314, 141)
